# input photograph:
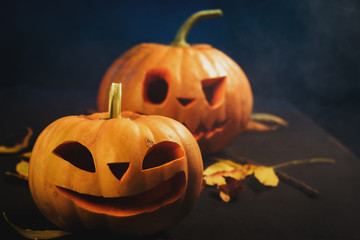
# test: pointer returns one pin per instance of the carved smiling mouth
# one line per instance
(148, 201)
(202, 131)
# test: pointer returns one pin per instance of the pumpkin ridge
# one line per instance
(245, 100)
(226, 62)
(203, 55)
(135, 64)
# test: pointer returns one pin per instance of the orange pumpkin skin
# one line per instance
(197, 85)
(132, 175)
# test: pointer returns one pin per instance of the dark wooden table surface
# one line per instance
(258, 213)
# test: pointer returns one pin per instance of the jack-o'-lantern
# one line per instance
(133, 174)
(197, 85)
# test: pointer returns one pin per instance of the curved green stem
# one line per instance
(115, 101)
(312, 160)
(180, 38)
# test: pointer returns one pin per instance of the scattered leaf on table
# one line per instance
(262, 122)
(266, 176)
(218, 173)
(221, 165)
(266, 117)
(20, 146)
(230, 189)
(215, 173)
(253, 126)
(26, 154)
(218, 177)
(37, 234)
(22, 170)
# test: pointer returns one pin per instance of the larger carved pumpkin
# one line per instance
(197, 85)
(131, 174)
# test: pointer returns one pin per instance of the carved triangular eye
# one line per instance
(76, 154)
(213, 89)
(162, 153)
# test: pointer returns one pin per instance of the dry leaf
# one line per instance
(230, 189)
(262, 122)
(20, 146)
(218, 173)
(253, 126)
(266, 117)
(26, 154)
(220, 165)
(266, 176)
(218, 177)
(37, 234)
(215, 173)
(22, 170)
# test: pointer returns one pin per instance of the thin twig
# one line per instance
(310, 191)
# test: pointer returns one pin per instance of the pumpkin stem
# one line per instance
(115, 101)
(180, 38)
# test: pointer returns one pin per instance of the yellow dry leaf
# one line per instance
(218, 173)
(263, 122)
(22, 170)
(20, 146)
(218, 178)
(221, 165)
(26, 154)
(215, 173)
(37, 234)
(266, 176)
(266, 117)
(253, 126)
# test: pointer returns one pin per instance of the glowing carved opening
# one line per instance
(148, 201)
(185, 101)
(118, 169)
(214, 90)
(156, 86)
(202, 131)
(76, 154)
(162, 153)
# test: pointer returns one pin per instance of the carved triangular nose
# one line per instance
(118, 169)
(185, 101)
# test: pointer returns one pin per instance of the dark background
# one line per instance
(304, 51)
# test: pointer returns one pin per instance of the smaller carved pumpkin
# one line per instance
(198, 85)
(132, 174)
